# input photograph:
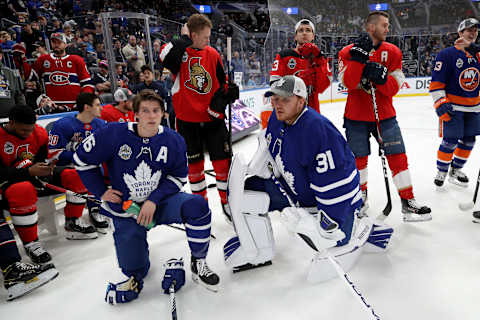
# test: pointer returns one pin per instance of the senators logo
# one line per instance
(59, 78)
(22, 152)
(469, 79)
(200, 80)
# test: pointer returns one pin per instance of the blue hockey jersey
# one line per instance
(66, 135)
(456, 77)
(141, 168)
(316, 164)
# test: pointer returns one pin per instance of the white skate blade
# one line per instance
(71, 235)
(23, 288)
(197, 280)
(413, 217)
(457, 183)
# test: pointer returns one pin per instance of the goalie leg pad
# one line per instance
(379, 238)
(262, 163)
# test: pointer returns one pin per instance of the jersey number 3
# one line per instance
(325, 161)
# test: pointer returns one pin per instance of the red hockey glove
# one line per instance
(310, 49)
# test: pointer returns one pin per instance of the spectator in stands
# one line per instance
(11, 89)
(123, 80)
(68, 31)
(117, 51)
(134, 53)
(100, 79)
(45, 105)
(30, 79)
(237, 62)
(29, 36)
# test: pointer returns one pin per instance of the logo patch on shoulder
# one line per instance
(8, 147)
(459, 63)
(292, 63)
(46, 64)
(125, 152)
(185, 57)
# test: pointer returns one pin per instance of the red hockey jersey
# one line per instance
(14, 149)
(64, 77)
(112, 114)
(359, 102)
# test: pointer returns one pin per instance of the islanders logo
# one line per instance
(200, 80)
(469, 79)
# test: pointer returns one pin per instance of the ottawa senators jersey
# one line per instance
(64, 78)
(112, 114)
(14, 149)
(456, 76)
(359, 102)
(200, 75)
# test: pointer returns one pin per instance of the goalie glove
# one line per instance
(360, 51)
(124, 291)
(174, 274)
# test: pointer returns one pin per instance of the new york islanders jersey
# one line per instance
(199, 77)
(141, 168)
(66, 135)
(359, 102)
(112, 114)
(456, 77)
(64, 78)
(320, 174)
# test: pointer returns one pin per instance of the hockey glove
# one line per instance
(360, 51)
(174, 273)
(219, 102)
(443, 109)
(233, 92)
(375, 72)
(124, 291)
(25, 163)
(310, 50)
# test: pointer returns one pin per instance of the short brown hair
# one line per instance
(147, 95)
(197, 22)
(373, 16)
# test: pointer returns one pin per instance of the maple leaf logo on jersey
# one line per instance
(143, 183)
(287, 176)
(200, 80)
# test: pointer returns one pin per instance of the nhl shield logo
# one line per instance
(8, 147)
(292, 63)
(46, 64)
(125, 152)
(459, 63)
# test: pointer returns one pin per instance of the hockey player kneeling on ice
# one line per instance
(147, 164)
(304, 168)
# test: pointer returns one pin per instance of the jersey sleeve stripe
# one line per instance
(336, 184)
(165, 51)
(398, 76)
(473, 101)
(438, 94)
(77, 161)
(329, 202)
(436, 85)
(177, 182)
(85, 168)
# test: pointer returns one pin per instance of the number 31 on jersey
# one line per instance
(325, 161)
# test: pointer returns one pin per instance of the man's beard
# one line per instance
(59, 52)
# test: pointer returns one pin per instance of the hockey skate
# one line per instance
(98, 220)
(75, 229)
(456, 176)
(36, 252)
(440, 178)
(476, 216)
(21, 278)
(202, 274)
(413, 212)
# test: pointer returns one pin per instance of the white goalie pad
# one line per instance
(250, 219)
(321, 269)
(262, 162)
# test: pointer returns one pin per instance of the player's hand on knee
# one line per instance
(124, 291)
(145, 217)
(112, 195)
(443, 109)
(375, 72)
(174, 274)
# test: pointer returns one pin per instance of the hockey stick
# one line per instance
(469, 205)
(229, 33)
(388, 207)
(336, 265)
(91, 198)
(173, 304)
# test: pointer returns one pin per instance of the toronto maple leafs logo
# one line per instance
(143, 183)
(287, 176)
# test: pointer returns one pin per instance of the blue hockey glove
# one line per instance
(124, 291)
(174, 271)
(443, 109)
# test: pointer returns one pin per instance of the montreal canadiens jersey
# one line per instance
(456, 76)
(321, 173)
(141, 168)
(64, 78)
(67, 133)
(112, 114)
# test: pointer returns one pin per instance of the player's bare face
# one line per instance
(380, 29)
(58, 47)
(22, 130)
(201, 39)
(470, 34)
(149, 116)
(304, 35)
(287, 108)
(96, 108)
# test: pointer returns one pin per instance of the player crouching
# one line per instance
(147, 164)
(313, 182)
